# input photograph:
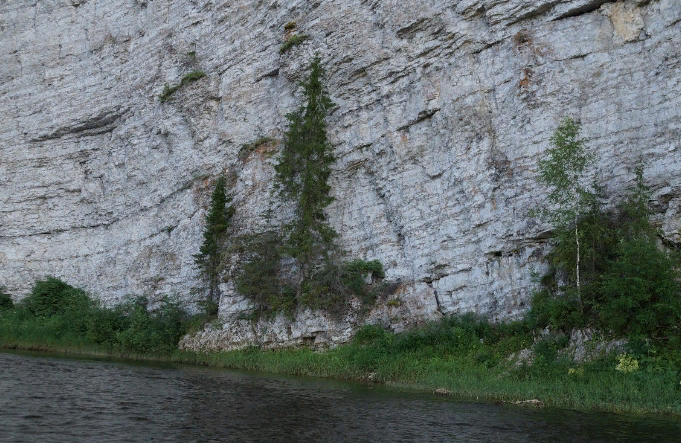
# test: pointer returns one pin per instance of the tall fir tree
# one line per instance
(217, 224)
(302, 177)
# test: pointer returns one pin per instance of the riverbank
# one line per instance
(464, 356)
(469, 369)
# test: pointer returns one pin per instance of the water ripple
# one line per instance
(53, 399)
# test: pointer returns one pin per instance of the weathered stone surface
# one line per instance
(443, 110)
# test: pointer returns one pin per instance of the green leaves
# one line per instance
(5, 300)
(168, 91)
(629, 285)
(218, 220)
(303, 172)
(563, 171)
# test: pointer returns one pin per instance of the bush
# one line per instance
(57, 314)
(5, 300)
(189, 78)
(259, 277)
(155, 332)
(629, 285)
(52, 296)
(639, 293)
(332, 287)
(293, 41)
(560, 312)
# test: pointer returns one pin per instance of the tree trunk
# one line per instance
(301, 278)
(579, 295)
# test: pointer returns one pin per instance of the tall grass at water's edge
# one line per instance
(448, 355)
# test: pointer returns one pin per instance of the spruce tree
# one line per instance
(217, 224)
(302, 177)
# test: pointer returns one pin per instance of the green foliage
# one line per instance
(218, 220)
(314, 279)
(630, 287)
(294, 40)
(563, 171)
(259, 278)
(332, 287)
(5, 300)
(152, 332)
(302, 178)
(59, 315)
(53, 296)
(555, 312)
(290, 25)
(168, 91)
(639, 293)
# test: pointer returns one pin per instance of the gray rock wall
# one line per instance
(443, 109)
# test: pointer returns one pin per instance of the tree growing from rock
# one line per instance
(563, 170)
(302, 177)
(218, 220)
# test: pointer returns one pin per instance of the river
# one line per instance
(52, 398)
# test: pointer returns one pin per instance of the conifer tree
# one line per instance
(217, 224)
(302, 177)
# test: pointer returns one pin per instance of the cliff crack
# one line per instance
(423, 115)
(571, 10)
(100, 124)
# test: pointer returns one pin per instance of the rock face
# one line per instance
(443, 109)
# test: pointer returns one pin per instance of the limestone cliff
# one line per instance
(444, 107)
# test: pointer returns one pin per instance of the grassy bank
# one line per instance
(465, 356)
(449, 355)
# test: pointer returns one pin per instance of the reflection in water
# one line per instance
(45, 399)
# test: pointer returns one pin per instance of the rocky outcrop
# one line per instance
(443, 110)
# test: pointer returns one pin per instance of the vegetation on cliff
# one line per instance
(464, 356)
(168, 91)
(218, 220)
(302, 176)
(607, 270)
(300, 263)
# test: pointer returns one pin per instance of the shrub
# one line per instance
(5, 300)
(561, 312)
(369, 333)
(152, 332)
(259, 277)
(188, 78)
(332, 287)
(293, 41)
(52, 296)
(626, 364)
(639, 293)
(290, 25)
(57, 314)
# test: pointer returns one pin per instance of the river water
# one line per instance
(50, 398)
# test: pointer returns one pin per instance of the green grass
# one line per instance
(293, 41)
(476, 371)
(448, 355)
(464, 355)
(168, 91)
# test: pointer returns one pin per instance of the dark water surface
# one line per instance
(46, 398)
